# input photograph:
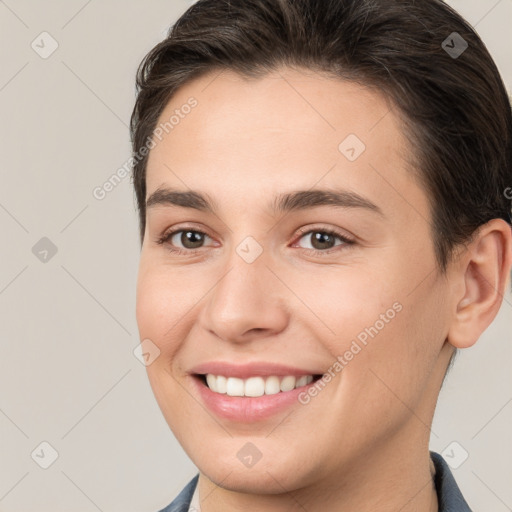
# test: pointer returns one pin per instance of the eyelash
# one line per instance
(347, 241)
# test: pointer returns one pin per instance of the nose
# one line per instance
(248, 302)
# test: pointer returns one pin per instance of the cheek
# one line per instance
(156, 313)
(387, 337)
(159, 310)
(389, 376)
(344, 304)
(163, 300)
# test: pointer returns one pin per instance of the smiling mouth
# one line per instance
(255, 386)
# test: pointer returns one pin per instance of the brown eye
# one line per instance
(188, 238)
(183, 241)
(322, 240)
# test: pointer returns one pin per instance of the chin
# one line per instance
(254, 481)
(270, 474)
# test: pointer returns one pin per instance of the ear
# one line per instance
(481, 277)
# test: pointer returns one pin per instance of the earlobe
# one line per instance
(483, 272)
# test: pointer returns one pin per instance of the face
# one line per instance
(303, 276)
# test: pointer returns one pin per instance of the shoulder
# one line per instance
(449, 496)
(182, 502)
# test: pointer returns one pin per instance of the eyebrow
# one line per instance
(286, 202)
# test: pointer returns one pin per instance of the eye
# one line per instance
(190, 239)
(323, 241)
(187, 241)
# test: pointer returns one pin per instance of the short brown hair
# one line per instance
(455, 108)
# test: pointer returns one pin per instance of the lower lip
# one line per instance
(244, 409)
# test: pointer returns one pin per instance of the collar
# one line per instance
(449, 497)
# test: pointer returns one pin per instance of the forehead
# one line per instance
(288, 129)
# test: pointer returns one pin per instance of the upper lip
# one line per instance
(255, 369)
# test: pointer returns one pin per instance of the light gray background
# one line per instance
(68, 375)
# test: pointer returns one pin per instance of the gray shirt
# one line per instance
(449, 497)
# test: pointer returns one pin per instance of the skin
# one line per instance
(362, 442)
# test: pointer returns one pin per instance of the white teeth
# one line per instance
(234, 387)
(288, 383)
(302, 381)
(212, 382)
(255, 386)
(221, 384)
(272, 386)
